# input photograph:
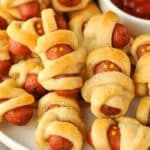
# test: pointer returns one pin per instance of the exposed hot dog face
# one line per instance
(19, 116)
(61, 22)
(114, 136)
(5, 66)
(69, 3)
(3, 23)
(39, 27)
(59, 143)
(58, 50)
(104, 67)
(18, 49)
(142, 50)
(34, 87)
(121, 36)
(29, 10)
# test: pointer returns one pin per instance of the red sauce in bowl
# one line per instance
(138, 8)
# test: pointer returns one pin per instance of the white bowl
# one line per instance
(136, 25)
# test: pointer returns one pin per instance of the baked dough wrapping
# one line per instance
(70, 63)
(23, 68)
(134, 136)
(11, 6)
(59, 116)
(4, 50)
(64, 8)
(112, 88)
(27, 33)
(13, 96)
(141, 75)
(79, 18)
(143, 111)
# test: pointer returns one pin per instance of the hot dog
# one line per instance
(34, 87)
(29, 10)
(104, 67)
(19, 116)
(61, 22)
(18, 49)
(69, 3)
(59, 143)
(39, 27)
(3, 23)
(57, 51)
(5, 66)
(121, 36)
(113, 134)
(142, 50)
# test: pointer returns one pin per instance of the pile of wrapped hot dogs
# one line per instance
(53, 50)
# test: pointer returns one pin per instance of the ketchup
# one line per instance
(138, 8)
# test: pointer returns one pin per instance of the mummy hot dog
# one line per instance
(143, 111)
(104, 30)
(5, 59)
(15, 103)
(67, 5)
(26, 33)
(79, 18)
(60, 126)
(63, 61)
(141, 53)
(122, 134)
(24, 9)
(109, 88)
(25, 73)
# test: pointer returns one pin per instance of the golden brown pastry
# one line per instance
(67, 5)
(105, 30)
(26, 73)
(79, 18)
(5, 59)
(120, 134)
(140, 51)
(60, 126)
(24, 9)
(63, 61)
(109, 88)
(15, 103)
(143, 111)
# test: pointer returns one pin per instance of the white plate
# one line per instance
(22, 138)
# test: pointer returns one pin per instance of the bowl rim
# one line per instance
(124, 13)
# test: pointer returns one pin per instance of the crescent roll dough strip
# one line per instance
(99, 30)
(71, 63)
(20, 71)
(79, 18)
(15, 99)
(62, 119)
(112, 88)
(4, 51)
(143, 110)
(141, 75)
(133, 135)
(11, 6)
(59, 7)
